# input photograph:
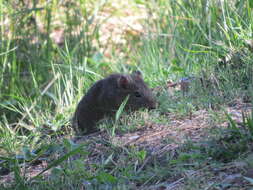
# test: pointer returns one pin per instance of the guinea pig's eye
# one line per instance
(137, 94)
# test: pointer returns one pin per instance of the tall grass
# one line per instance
(38, 74)
(42, 79)
(203, 39)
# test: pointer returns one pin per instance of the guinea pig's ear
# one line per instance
(137, 73)
(123, 82)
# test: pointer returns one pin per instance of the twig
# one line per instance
(35, 102)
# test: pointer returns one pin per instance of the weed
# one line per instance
(52, 52)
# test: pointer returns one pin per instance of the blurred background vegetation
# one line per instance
(52, 51)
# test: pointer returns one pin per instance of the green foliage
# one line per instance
(42, 78)
(230, 143)
(118, 114)
(248, 122)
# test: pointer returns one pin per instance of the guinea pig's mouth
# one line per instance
(153, 105)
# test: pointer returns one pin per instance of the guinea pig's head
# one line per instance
(140, 95)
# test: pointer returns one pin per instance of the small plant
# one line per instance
(118, 114)
(52, 51)
(247, 119)
(230, 143)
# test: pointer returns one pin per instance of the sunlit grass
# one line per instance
(41, 81)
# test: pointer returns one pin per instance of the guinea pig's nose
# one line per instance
(153, 105)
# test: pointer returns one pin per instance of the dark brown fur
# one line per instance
(106, 96)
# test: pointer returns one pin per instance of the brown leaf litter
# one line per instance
(154, 138)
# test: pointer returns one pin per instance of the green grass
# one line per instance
(41, 83)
